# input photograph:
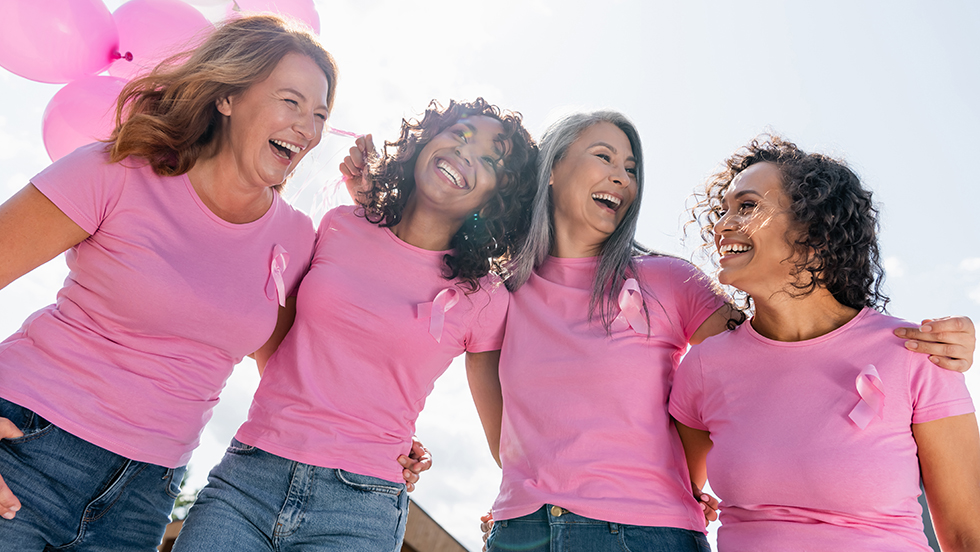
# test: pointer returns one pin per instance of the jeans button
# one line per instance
(557, 511)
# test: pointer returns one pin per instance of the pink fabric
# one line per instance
(348, 382)
(161, 301)
(585, 422)
(792, 469)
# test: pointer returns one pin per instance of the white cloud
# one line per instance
(974, 294)
(894, 267)
(970, 265)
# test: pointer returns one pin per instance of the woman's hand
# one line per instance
(949, 342)
(9, 505)
(354, 168)
(709, 504)
(417, 461)
(486, 524)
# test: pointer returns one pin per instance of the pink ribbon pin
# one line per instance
(872, 401)
(630, 309)
(276, 288)
(437, 309)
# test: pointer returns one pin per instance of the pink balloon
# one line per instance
(56, 40)
(82, 112)
(152, 30)
(303, 10)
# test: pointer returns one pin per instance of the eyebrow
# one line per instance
(612, 149)
(301, 96)
(497, 142)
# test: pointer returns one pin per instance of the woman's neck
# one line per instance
(782, 317)
(226, 197)
(569, 244)
(424, 228)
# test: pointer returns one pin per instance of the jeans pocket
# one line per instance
(26, 420)
(240, 448)
(369, 484)
(174, 477)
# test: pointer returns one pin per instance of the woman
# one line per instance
(397, 289)
(598, 322)
(182, 254)
(801, 455)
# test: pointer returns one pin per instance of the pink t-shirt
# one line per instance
(160, 302)
(585, 422)
(349, 380)
(792, 469)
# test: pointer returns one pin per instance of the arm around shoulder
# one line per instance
(287, 315)
(32, 232)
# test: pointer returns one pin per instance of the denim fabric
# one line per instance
(543, 531)
(78, 497)
(255, 500)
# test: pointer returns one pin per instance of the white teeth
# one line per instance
(290, 147)
(452, 173)
(615, 201)
(730, 248)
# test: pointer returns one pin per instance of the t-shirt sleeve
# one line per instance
(486, 332)
(936, 393)
(687, 392)
(84, 185)
(696, 296)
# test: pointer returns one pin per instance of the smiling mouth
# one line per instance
(284, 149)
(731, 249)
(608, 200)
(452, 174)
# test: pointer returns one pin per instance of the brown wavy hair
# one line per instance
(487, 241)
(838, 247)
(170, 116)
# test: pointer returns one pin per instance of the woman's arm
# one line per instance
(949, 342)
(284, 322)
(482, 375)
(32, 232)
(716, 323)
(696, 443)
(949, 457)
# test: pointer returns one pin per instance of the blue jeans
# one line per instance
(255, 500)
(78, 497)
(543, 531)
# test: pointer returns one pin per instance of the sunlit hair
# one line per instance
(485, 242)
(617, 252)
(170, 116)
(838, 245)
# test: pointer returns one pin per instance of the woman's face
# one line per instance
(275, 122)
(593, 185)
(457, 171)
(755, 235)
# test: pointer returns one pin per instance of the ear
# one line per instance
(551, 179)
(224, 106)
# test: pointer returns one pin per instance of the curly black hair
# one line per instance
(486, 242)
(838, 245)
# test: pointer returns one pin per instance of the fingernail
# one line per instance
(900, 332)
(912, 344)
(927, 328)
(704, 497)
(8, 515)
(934, 360)
(402, 460)
(704, 507)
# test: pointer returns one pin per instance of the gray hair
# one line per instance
(617, 252)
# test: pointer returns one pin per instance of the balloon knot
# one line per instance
(128, 56)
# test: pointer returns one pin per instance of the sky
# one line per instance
(888, 86)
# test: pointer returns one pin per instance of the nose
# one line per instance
(726, 222)
(620, 176)
(306, 126)
(463, 157)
